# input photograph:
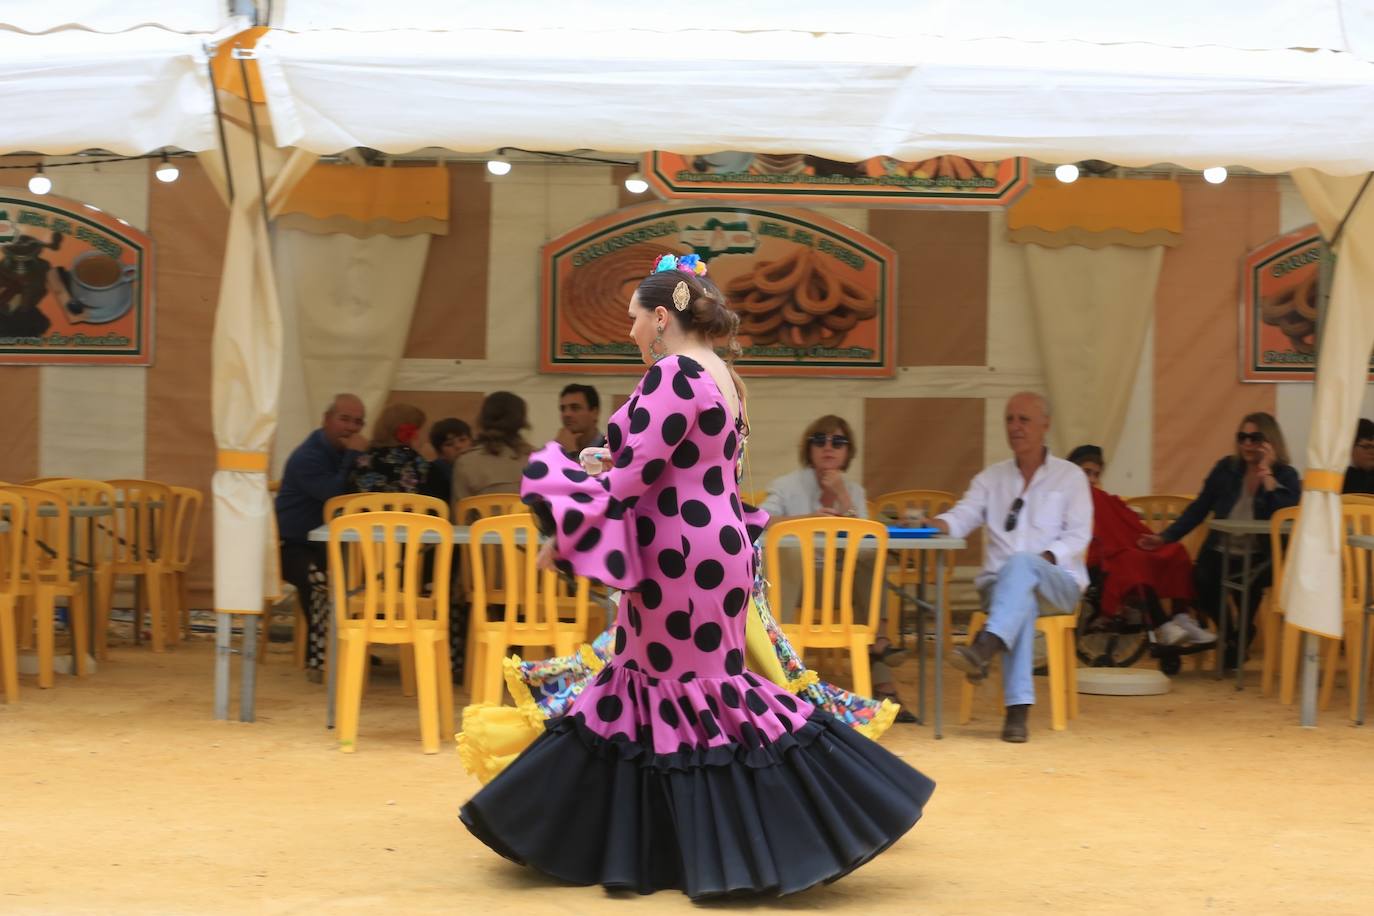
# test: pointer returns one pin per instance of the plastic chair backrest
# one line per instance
(13, 510)
(1356, 518)
(822, 620)
(141, 534)
(472, 508)
(1357, 499)
(39, 481)
(1159, 511)
(186, 503)
(352, 503)
(46, 529)
(391, 571)
(895, 504)
(78, 491)
(529, 594)
(1283, 527)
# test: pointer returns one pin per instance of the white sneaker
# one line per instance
(1196, 634)
(1170, 634)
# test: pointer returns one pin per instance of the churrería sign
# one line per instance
(1280, 296)
(814, 295)
(75, 284)
(939, 183)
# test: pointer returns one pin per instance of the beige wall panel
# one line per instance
(1198, 399)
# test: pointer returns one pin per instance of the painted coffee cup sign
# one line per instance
(75, 284)
(1280, 292)
(813, 294)
(938, 183)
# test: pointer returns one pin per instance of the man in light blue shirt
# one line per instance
(1038, 512)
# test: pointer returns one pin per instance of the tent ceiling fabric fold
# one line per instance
(843, 96)
(1338, 25)
(115, 15)
(130, 93)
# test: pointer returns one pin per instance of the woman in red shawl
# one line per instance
(1130, 574)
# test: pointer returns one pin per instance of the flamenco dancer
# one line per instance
(692, 772)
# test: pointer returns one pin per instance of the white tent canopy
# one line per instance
(847, 96)
(134, 91)
(114, 15)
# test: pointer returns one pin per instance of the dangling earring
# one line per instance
(658, 349)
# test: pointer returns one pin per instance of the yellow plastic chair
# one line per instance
(905, 568)
(96, 540)
(392, 610)
(350, 504)
(466, 511)
(39, 481)
(185, 516)
(45, 574)
(753, 497)
(1061, 660)
(820, 624)
(471, 508)
(141, 535)
(529, 598)
(12, 510)
(1357, 517)
(1281, 639)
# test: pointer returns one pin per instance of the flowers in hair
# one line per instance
(687, 263)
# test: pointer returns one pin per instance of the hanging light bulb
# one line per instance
(636, 184)
(166, 172)
(40, 183)
(1215, 175)
(498, 166)
(1067, 173)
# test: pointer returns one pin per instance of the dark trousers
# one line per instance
(1207, 579)
(303, 564)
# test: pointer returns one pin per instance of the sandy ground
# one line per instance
(122, 794)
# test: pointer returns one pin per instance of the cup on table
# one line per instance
(913, 517)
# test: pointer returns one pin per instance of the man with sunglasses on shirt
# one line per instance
(1038, 511)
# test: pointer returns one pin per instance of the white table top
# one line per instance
(461, 536)
(1361, 541)
(1235, 526)
(50, 511)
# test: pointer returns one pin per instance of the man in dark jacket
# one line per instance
(316, 472)
(1359, 477)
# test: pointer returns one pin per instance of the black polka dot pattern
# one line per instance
(666, 526)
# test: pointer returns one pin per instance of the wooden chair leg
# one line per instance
(350, 685)
(9, 648)
(427, 692)
(44, 602)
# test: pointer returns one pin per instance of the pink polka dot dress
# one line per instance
(676, 767)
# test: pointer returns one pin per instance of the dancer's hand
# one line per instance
(1150, 542)
(546, 556)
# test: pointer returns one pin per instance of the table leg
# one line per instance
(1242, 643)
(941, 614)
(921, 638)
(223, 649)
(331, 661)
(1223, 604)
(249, 669)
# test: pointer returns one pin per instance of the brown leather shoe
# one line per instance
(975, 659)
(1016, 729)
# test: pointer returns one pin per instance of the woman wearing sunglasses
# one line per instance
(1251, 484)
(820, 487)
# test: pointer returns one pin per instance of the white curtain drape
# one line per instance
(246, 356)
(1312, 582)
(1092, 309)
(347, 304)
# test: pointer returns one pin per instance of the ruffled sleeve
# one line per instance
(594, 517)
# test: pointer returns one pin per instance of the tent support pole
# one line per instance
(223, 651)
(248, 677)
(1310, 663)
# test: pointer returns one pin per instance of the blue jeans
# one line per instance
(1016, 595)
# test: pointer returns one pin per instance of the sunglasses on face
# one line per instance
(1015, 512)
(837, 440)
(1256, 438)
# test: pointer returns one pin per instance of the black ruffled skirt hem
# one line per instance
(804, 810)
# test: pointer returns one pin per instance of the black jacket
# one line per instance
(1221, 491)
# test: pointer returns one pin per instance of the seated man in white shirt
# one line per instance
(1038, 511)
